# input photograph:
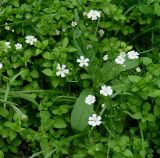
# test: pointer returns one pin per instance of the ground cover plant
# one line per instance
(79, 79)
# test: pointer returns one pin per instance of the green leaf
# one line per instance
(128, 153)
(134, 78)
(145, 8)
(3, 112)
(23, 72)
(1, 154)
(157, 8)
(59, 123)
(45, 43)
(146, 60)
(71, 49)
(38, 51)
(34, 73)
(15, 3)
(44, 143)
(81, 112)
(13, 126)
(117, 155)
(150, 117)
(47, 55)
(157, 110)
(12, 135)
(55, 82)
(111, 70)
(86, 76)
(154, 93)
(48, 72)
(65, 42)
(60, 110)
(79, 2)
(27, 55)
(137, 115)
(26, 97)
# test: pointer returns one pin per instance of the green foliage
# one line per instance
(45, 115)
(81, 112)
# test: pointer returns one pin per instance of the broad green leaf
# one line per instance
(45, 147)
(146, 60)
(71, 49)
(154, 69)
(26, 97)
(13, 126)
(117, 155)
(55, 82)
(150, 117)
(145, 8)
(128, 153)
(79, 2)
(59, 123)
(15, 3)
(47, 55)
(12, 135)
(38, 51)
(27, 55)
(154, 93)
(1, 154)
(61, 110)
(157, 110)
(134, 78)
(137, 115)
(142, 153)
(45, 43)
(86, 76)
(157, 8)
(23, 72)
(146, 107)
(34, 73)
(81, 112)
(48, 72)
(111, 70)
(65, 42)
(3, 112)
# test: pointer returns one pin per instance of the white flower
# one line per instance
(61, 70)
(73, 24)
(7, 44)
(105, 57)
(83, 61)
(102, 105)
(24, 117)
(1, 65)
(84, 13)
(30, 39)
(94, 120)
(106, 90)
(90, 99)
(138, 69)
(120, 60)
(7, 27)
(89, 46)
(122, 54)
(133, 55)
(101, 33)
(28, 16)
(18, 46)
(57, 32)
(93, 14)
(12, 30)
